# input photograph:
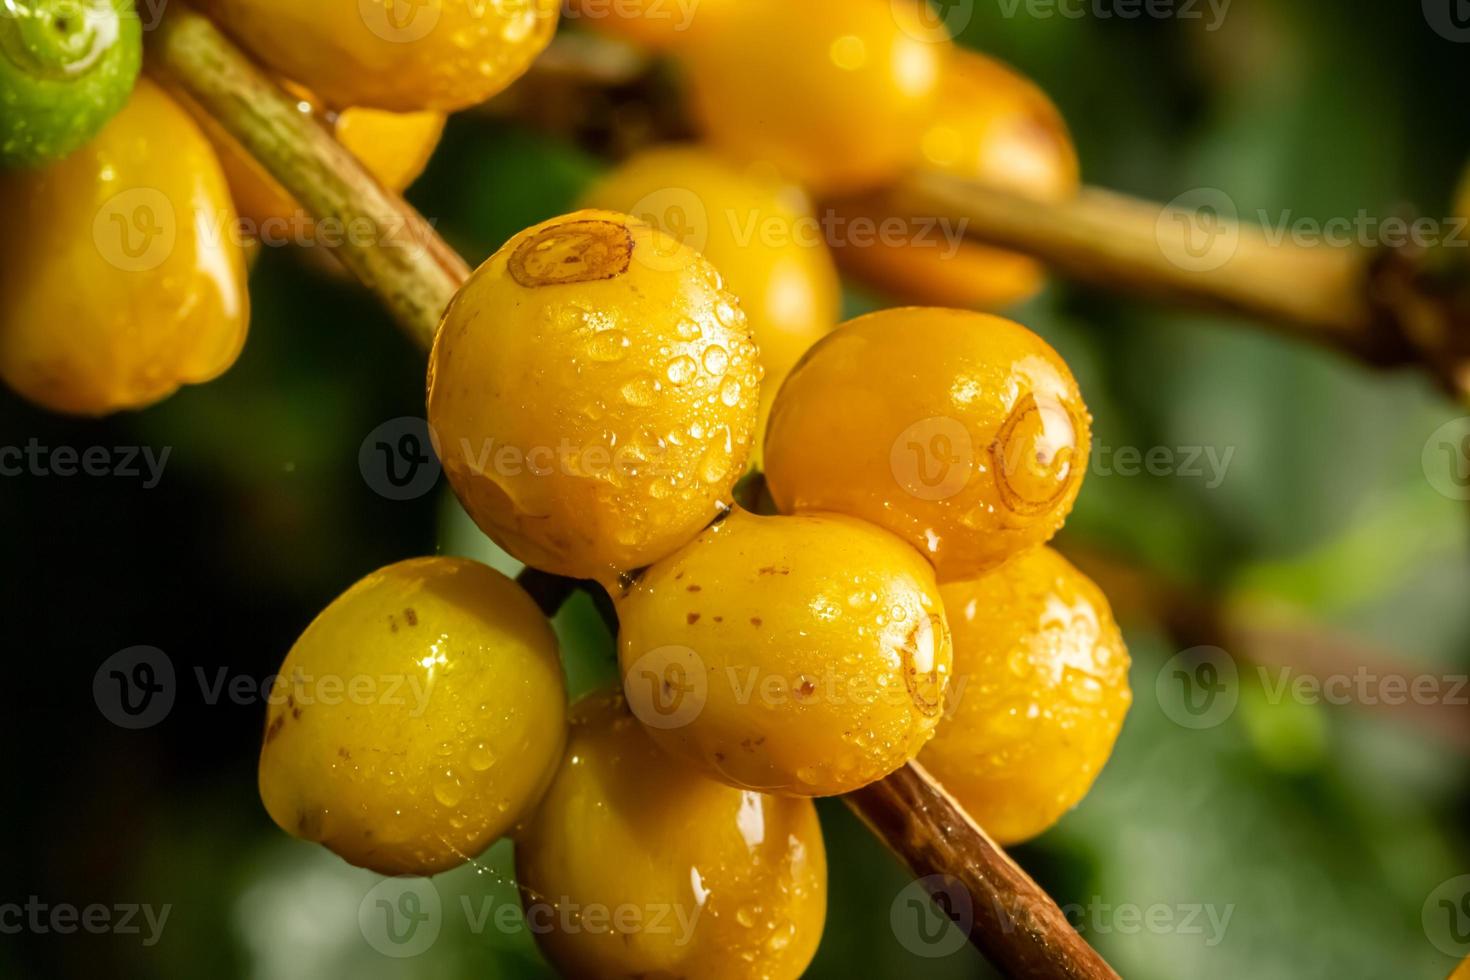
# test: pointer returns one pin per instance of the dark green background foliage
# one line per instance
(1320, 830)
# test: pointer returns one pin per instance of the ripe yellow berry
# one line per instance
(417, 719)
(637, 866)
(997, 129)
(394, 147)
(429, 54)
(962, 433)
(836, 95)
(757, 230)
(804, 656)
(593, 392)
(123, 280)
(1039, 694)
(659, 25)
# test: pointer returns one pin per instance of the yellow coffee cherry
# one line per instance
(658, 25)
(962, 433)
(394, 147)
(997, 129)
(386, 54)
(757, 230)
(637, 866)
(417, 719)
(804, 656)
(836, 95)
(123, 280)
(1039, 694)
(593, 393)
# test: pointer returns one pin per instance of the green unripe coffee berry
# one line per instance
(66, 68)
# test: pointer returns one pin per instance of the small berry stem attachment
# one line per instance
(1016, 924)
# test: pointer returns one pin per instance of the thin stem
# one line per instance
(1011, 920)
(1174, 253)
(384, 242)
(1016, 924)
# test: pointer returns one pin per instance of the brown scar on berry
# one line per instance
(756, 621)
(412, 616)
(274, 728)
(773, 570)
(343, 753)
(692, 618)
(571, 252)
(694, 588)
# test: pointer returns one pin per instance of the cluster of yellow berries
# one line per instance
(596, 390)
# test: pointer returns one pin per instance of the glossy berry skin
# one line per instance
(962, 433)
(417, 719)
(835, 95)
(593, 394)
(804, 656)
(997, 129)
(443, 55)
(1039, 694)
(66, 68)
(127, 244)
(394, 147)
(658, 25)
(637, 866)
(757, 230)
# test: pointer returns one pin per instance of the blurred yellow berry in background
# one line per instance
(837, 95)
(760, 233)
(709, 881)
(432, 54)
(994, 128)
(593, 394)
(963, 433)
(123, 277)
(394, 147)
(795, 655)
(1039, 694)
(658, 25)
(417, 718)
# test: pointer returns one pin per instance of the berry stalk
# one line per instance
(390, 247)
(416, 274)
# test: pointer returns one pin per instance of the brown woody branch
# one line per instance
(416, 274)
(392, 249)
